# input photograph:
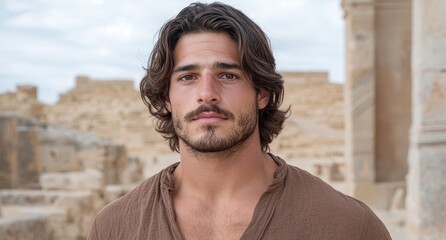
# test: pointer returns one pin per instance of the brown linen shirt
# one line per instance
(296, 205)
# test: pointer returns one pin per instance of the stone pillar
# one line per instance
(115, 163)
(8, 151)
(393, 89)
(426, 200)
(29, 166)
(20, 164)
(360, 96)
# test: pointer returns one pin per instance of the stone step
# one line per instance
(37, 197)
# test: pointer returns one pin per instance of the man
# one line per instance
(212, 85)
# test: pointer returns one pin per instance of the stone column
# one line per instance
(393, 89)
(8, 151)
(360, 96)
(426, 200)
(20, 165)
(29, 165)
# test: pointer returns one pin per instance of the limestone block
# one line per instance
(8, 101)
(115, 162)
(305, 77)
(26, 93)
(397, 201)
(56, 224)
(433, 98)
(109, 158)
(80, 208)
(90, 179)
(19, 153)
(8, 151)
(91, 157)
(133, 172)
(23, 228)
(59, 156)
(426, 198)
(59, 147)
(22, 197)
(29, 165)
(68, 213)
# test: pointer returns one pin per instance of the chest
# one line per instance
(201, 222)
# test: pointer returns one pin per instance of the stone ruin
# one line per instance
(395, 96)
(55, 179)
(63, 162)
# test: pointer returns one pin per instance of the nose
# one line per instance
(208, 89)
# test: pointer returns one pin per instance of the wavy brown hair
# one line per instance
(256, 59)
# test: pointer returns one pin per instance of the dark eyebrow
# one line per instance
(188, 67)
(226, 65)
(216, 65)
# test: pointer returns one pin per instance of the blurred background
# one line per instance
(365, 79)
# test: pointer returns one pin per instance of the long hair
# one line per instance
(256, 59)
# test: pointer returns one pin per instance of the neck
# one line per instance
(224, 175)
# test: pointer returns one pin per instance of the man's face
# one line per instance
(214, 106)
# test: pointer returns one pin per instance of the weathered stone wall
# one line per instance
(305, 77)
(110, 109)
(72, 168)
(29, 165)
(19, 152)
(29, 148)
(315, 126)
(61, 214)
(426, 200)
(23, 102)
(24, 227)
(8, 152)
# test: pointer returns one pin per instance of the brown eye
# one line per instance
(186, 78)
(228, 76)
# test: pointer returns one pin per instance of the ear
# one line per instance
(168, 104)
(263, 98)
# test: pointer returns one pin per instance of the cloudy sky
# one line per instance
(47, 42)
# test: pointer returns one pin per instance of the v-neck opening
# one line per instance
(263, 211)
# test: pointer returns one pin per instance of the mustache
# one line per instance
(209, 108)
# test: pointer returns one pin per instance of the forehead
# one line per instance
(205, 47)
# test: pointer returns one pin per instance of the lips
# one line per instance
(209, 113)
(209, 117)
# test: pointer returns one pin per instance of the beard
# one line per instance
(209, 142)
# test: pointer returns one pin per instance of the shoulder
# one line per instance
(326, 206)
(126, 211)
(127, 204)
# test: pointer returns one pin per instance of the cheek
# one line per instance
(243, 97)
(178, 95)
(177, 110)
(172, 102)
